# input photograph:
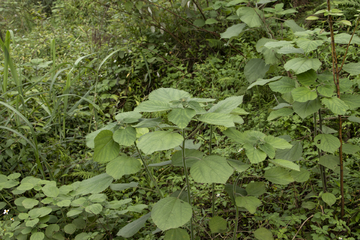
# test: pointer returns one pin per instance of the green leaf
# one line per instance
(308, 205)
(353, 101)
(304, 109)
(284, 85)
(211, 169)
(277, 142)
(326, 90)
(123, 165)
(211, 21)
(153, 106)
(199, 23)
(352, 68)
(95, 184)
(70, 228)
(290, 49)
(307, 78)
(51, 229)
(226, 106)
(278, 175)
(328, 198)
(250, 16)
(263, 234)
(233, 31)
(329, 161)
(125, 137)
(354, 119)
(168, 95)
(248, 202)
(106, 149)
(123, 186)
(255, 155)
(238, 166)
(345, 85)
(280, 113)
(256, 189)
(303, 94)
(39, 212)
(300, 65)
(268, 149)
(336, 105)
(327, 142)
(176, 234)
(29, 203)
(300, 176)
(37, 236)
(350, 149)
(254, 69)
(74, 212)
(217, 225)
(344, 38)
(221, 119)
(94, 208)
(31, 222)
(262, 82)
(171, 212)
(90, 137)
(192, 156)
(50, 190)
(83, 236)
(158, 141)
(286, 164)
(181, 116)
(293, 26)
(13, 176)
(308, 45)
(128, 117)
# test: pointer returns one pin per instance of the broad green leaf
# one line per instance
(51, 229)
(254, 154)
(327, 142)
(293, 26)
(308, 45)
(217, 225)
(128, 117)
(50, 190)
(37, 236)
(181, 116)
(280, 113)
(125, 137)
(255, 69)
(83, 236)
(345, 85)
(106, 149)
(327, 130)
(211, 21)
(153, 106)
(326, 90)
(90, 137)
(278, 175)
(250, 16)
(221, 119)
(191, 157)
(352, 68)
(268, 149)
(94, 208)
(289, 50)
(281, 105)
(238, 166)
(211, 169)
(350, 149)
(176, 234)
(70, 228)
(235, 135)
(262, 82)
(13, 176)
(263, 234)
(31, 222)
(304, 109)
(284, 85)
(303, 94)
(308, 205)
(307, 78)
(227, 105)
(29, 203)
(286, 164)
(123, 186)
(329, 198)
(336, 105)
(123, 165)
(39, 212)
(95, 184)
(277, 142)
(301, 176)
(256, 189)
(171, 212)
(300, 65)
(141, 127)
(74, 212)
(270, 54)
(158, 141)
(354, 119)
(233, 31)
(329, 161)
(353, 101)
(117, 204)
(344, 38)
(248, 202)
(168, 94)
(199, 23)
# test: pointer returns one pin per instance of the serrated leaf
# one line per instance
(289, 50)
(255, 155)
(344, 38)
(227, 105)
(153, 106)
(307, 78)
(250, 16)
(303, 94)
(106, 149)
(158, 141)
(123, 165)
(211, 169)
(263, 234)
(248, 202)
(280, 113)
(94, 208)
(353, 101)
(350, 149)
(328, 198)
(352, 68)
(171, 212)
(255, 69)
(300, 65)
(326, 90)
(268, 149)
(278, 175)
(308, 45)
(284, 85)
(286, 164)
(336, 105)
(233, 31)
(221, 119)
(256, 188)
(125, 137)
(304, 109)
(181, 116)
(327, 142)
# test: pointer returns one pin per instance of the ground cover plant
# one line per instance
(237, 122)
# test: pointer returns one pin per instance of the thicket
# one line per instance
(179, 119)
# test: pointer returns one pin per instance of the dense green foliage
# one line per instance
(234, 119)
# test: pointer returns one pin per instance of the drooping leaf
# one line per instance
(95, 184)
(221, 119)
(284, 85)
(211, 169)
(226, 106)
(352, 68)
(329, 198)
(278, 175)
(256, 189)
(153, 106)
(106, 149)
(354, 119)
(171, 212)
(353, 101)
(268, 149)
(280, 113)
(90, 137)
(158, 141)
(250, 16)
(301, 176)
(307, 78)
(329, 161)
(300, 65)
(132, 228)
(286, 164)
(293, 26)
(176, 234)
(128, 117)
(125, 137)
(238, 166)
(327, 142)
(277, 142)
(123, 186)
(191, 156)
(233, 31)
(248, 202)
(181, 116)
(123, 165)
(168, 95)
(217, 225)
(303, 94)
(263, 234)
(254, 154)
(336, 105)
(304, 109)
(50, 190)
(308, 45)
(255, 69)
(262, 82)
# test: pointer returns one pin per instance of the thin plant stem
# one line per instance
(148, 171)
(322, 169)
(236, 208)
(187, 183)
(213, 185)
